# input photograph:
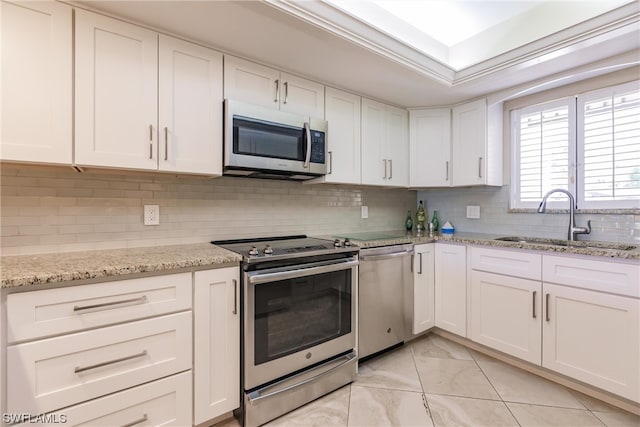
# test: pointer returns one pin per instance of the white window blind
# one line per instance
(543, 157)
(588, 145)
(609, 147)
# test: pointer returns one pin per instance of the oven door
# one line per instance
(297, 316)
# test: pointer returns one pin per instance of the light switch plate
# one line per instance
(473, 212)
(151, 214)
(365, 212)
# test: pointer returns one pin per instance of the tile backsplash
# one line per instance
(495, 217)
(55, 209)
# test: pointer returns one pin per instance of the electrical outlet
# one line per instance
(473, 212)
(151, 214)
(365, 212)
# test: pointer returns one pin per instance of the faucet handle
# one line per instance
(588, 227)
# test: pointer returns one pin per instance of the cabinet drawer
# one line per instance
(50, 312)
(511, 263)
(164, 402)
(605, 276)
(53, 373)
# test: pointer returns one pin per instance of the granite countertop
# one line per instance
(29, 270)
(601, 249)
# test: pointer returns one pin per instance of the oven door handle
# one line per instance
(385, 256)
(255, 397)
(257, 278)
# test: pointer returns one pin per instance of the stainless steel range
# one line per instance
(299, 303)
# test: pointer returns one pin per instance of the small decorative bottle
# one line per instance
(408, 222)
(421, 217)
(435, 221)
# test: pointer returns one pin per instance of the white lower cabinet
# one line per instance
(593, 337)
(423, 288)
(505, 314)
(165, 402)
(451, 288)
(216, 343)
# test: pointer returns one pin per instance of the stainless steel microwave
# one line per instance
(260, 142)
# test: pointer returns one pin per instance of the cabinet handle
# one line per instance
(412, 259)
(166, 143)
(390, 168)
(547, 304)
(136, 422)
(277, 91)
(151, 141)
(534, 304)
(447, 167)
(235, 296)
(330, 163)
(479, 167)
(108, 305)
(78, 369)
(420, 271)
(385, 168)
(286, 91)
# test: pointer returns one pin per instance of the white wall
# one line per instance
(54, 209)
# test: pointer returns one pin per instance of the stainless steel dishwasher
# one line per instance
(385, 282)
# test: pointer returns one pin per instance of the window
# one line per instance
(588, 145)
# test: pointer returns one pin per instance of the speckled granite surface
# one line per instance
(601, 249)
(29, 270)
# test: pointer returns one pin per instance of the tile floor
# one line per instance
(432, 381)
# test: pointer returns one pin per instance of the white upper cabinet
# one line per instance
(36, 90)
(190, 107)
(145, 101)
(476, 154)
(116, 93)
(256, 84)
(430, 148)
(385, 145)
(343, 142)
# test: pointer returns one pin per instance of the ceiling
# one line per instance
(513, 45)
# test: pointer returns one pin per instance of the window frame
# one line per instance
(575, 177)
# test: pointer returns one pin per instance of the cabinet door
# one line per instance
(301, 96)
(423, 288)
(451, 288)
(506, 314)
(116, 93)
(375, 168)
(430, 148)
(36, 120)
(343, 116)
(593, 337)
(469, 137)
(250, 82)
(397, 146)
(190, 107)
(216, 343)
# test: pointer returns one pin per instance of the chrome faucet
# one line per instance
(573, 230)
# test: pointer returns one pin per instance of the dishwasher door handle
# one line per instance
(385, 256)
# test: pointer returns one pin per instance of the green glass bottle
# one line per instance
(408, 222)
(421, 217)
(436, 221)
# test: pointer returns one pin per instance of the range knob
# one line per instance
(347, 242)
(253, 251)
(268, 250)
(337, 243)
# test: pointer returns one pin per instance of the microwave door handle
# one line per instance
(307, 131)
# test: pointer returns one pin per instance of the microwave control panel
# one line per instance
(317, 147)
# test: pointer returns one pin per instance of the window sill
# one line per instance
(628, 211)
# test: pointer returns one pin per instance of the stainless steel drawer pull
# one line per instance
(136, 422)
(385, 168)
(286, 92)
(390, 168)
(235, 296)
(106, 305)
(479, 167)
(277, 91)
(79, 369)
(547, 304)
(151, 141)
(330, 163)
(534, 304)
(447, 175)
(420, 271)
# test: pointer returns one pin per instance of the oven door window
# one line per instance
(265, 139)
(295, 314)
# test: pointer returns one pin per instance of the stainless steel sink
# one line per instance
(567, 243)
